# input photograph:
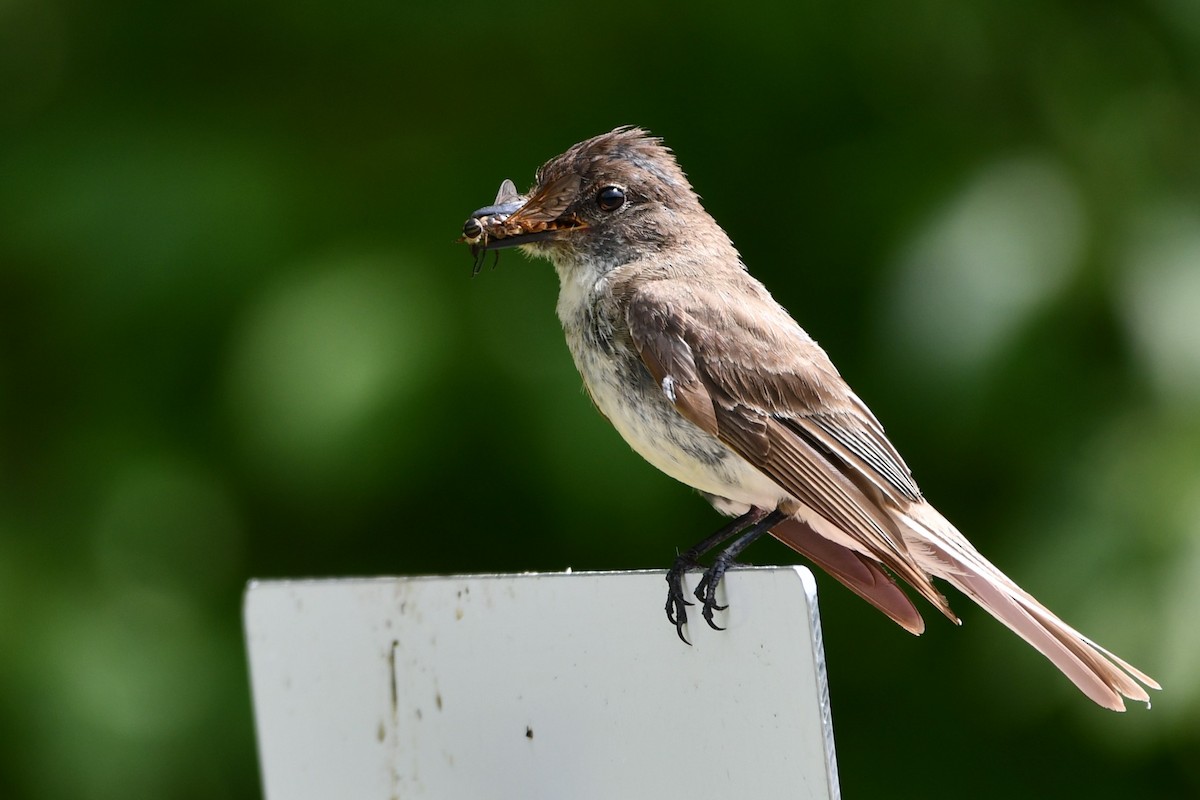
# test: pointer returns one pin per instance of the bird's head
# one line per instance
(612, 199)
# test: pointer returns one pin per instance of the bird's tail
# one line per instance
(941, 550)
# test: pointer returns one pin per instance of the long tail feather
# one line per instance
(941, 550)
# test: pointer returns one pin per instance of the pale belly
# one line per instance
(635, 404)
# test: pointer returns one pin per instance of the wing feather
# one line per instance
(761, 415)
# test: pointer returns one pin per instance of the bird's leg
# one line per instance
(689, 560)
(706, 590)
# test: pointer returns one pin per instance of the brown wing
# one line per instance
(757, 382)
(786, 374)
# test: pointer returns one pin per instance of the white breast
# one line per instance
(638, 408)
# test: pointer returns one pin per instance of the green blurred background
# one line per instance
(237, 339)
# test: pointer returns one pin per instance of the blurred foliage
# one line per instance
(237, 339)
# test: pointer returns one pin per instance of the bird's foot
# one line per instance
(748, 527)
(677, 603)
(706, 591)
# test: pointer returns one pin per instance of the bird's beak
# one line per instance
(514, 219)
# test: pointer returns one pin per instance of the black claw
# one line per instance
(706, 593)
(679, 631)
(708, 617)
(677, 603)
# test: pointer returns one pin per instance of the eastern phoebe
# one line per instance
(710, 380)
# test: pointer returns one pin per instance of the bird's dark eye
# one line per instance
(610, 198)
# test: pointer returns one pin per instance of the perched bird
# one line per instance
(710, 380)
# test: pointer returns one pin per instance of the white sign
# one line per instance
(538, 686)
